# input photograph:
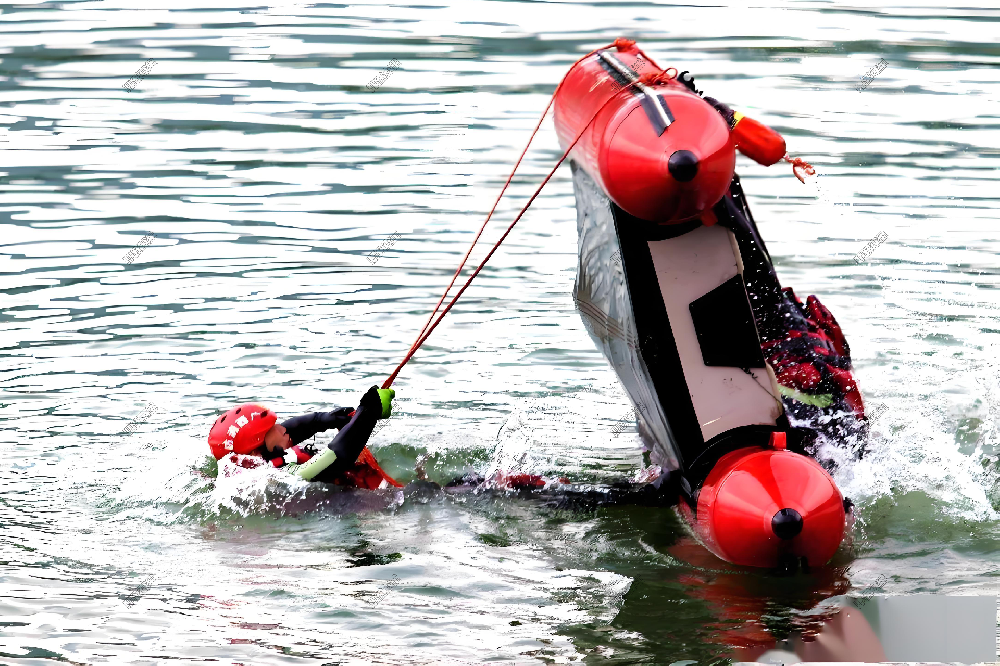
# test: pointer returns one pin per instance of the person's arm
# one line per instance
(345, 448)
(303, 427)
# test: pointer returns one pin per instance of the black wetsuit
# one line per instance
(355, 425)
(301, 428)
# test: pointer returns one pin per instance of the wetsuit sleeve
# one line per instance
(345, 448)
(303, 427)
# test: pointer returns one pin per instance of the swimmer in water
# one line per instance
(249, 436)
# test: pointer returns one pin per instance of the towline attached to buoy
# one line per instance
(678, 291)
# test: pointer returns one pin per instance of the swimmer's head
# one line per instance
(241, 430)
(277, 437)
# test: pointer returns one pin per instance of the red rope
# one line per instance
(621, 44)
(799, 163)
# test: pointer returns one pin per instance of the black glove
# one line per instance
(371, 400)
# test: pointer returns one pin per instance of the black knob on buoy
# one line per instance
(683, 165)
(786, 524)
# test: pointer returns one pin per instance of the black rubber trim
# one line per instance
(740, 197)
(796, 441)
(651, 231)
(655, 339)
(759, 276)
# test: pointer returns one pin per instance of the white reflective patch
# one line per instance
(242, 421)
(233, 430)
(229, 445)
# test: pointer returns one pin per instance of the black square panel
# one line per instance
(723, 322)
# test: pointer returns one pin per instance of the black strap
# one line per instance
(657, 110)
(796, 441)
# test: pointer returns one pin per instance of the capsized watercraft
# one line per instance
(678, 291)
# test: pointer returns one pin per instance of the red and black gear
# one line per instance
(813, 356)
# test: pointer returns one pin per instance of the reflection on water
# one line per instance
(203, 238)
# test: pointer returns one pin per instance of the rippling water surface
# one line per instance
(263, 172)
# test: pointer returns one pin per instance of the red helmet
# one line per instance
(240, 430)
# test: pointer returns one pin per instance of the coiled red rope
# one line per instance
(799, 163)
(621, 44)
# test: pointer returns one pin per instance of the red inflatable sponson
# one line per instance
(660, 152)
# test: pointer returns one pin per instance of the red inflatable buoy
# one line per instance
(757, 141)
(659, 151)
(760, 505)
